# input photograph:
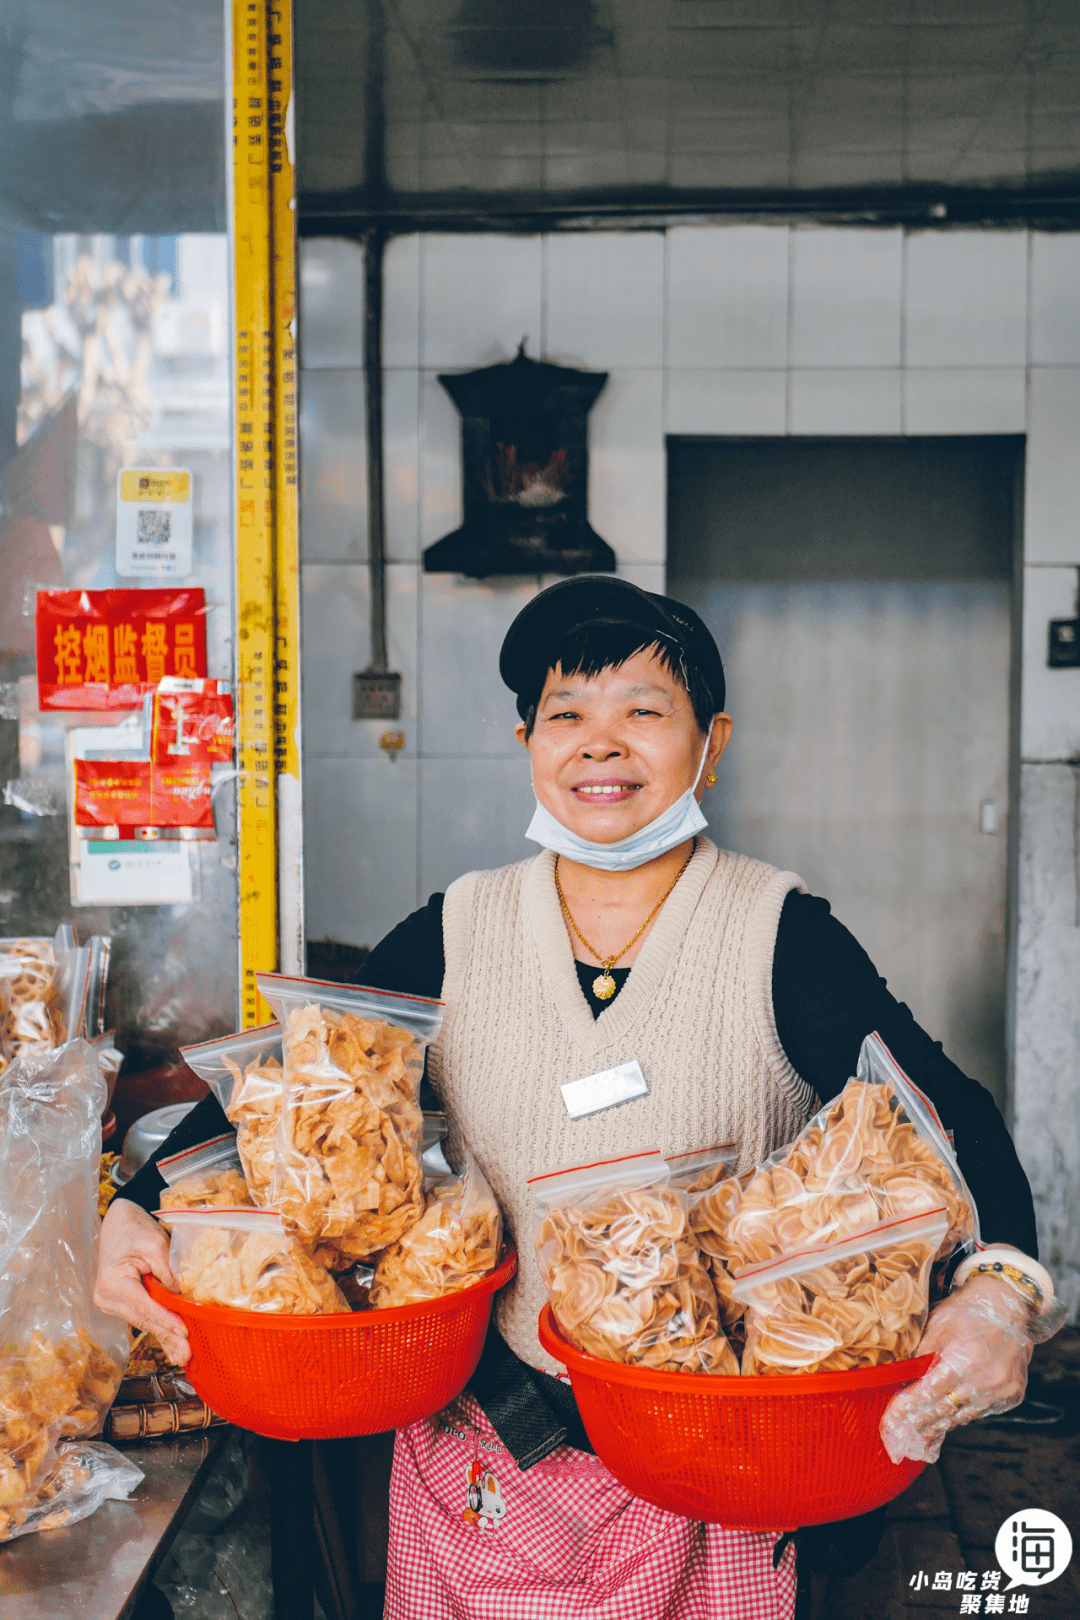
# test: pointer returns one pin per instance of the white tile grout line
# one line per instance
(788, 335)
(903, 327)
(420, 673)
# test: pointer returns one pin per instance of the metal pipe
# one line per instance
(374, 245)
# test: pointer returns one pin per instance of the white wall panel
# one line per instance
(965, 400)
(360, 817)
(859, 402)
(480, 295)
(1052, 482)
(464, 706)
(331, 302)
(627, 465)
(333, 467)
(845, 303)
(604, 299)
(401, 485)
(439, 461)
(1055, 299)
(337, 642)
(473, 816)
(966, 298)
(727, 296)
(401, 302)
(735, 401)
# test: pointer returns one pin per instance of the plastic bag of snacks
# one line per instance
(209, 1176)
(85, 1474)
(33, 1016)
(455, 1242)
(347, 1151)
(877, 1153)
(852, 1304)
(694, 1173)
(245, 1258)
(621, 1267)
(61, 1359)
(244, 1073)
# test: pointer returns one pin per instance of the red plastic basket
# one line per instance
(320, 1377)
(750, 1453)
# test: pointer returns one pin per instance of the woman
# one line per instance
(629, 937)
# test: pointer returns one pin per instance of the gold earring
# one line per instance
(710, 779)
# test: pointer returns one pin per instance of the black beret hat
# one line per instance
(593, 600)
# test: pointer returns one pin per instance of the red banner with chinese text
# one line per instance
(137, 793)
(108, 649)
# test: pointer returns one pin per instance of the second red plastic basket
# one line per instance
(749, 1453)
(320, 1377)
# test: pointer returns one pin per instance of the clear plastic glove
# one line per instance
(132, 1243)
(982, 1338)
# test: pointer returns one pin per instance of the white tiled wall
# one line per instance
(741, 329)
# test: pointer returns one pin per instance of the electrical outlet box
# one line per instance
(376, 696)
(1064, 651)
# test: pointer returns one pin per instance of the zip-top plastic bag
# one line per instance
(61, 1359)
(876, 1153)
(855, 1303)
(85, 1474)
(454, 1244)
(621, 1267)
(247, 1260)
(244, 1073)
(349, 1142)
(695, 1172)
(32, 998)
(209, 1176)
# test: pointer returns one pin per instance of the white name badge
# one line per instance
(595, 1092)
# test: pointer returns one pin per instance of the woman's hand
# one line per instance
(981, 1339)
(133, 1243)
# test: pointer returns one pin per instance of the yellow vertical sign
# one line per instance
(287, 561)
(255, 462)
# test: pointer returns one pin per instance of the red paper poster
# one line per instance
(138, 793)
(193, 726)
(108, 649)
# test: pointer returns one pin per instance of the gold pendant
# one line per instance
(603, 987)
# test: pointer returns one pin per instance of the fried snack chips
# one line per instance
(877, 1153)
(47, 1392)
(852, 1304)
(244, 1073)
(61, 1359)
(622, 1270)
(347, 1151)
(246, 1259)
(86, 1473)
(455, 1242)
(209, 1176)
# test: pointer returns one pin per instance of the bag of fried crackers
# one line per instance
(874, 1156)
(453, 1245)
(244, 1073)
(247, 1260)
(347, 1151)
(622, 1270)
(61, 1359)
(208, 1176)
(42, 990)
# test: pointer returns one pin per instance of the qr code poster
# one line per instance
(153, 522)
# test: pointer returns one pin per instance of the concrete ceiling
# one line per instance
(451, 106)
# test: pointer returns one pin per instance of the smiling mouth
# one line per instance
(605, 792)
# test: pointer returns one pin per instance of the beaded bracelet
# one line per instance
(1018, 1271)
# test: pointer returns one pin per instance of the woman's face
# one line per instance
(610, 752)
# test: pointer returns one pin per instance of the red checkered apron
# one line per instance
(473, 1538)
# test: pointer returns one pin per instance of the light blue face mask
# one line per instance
(672, 827)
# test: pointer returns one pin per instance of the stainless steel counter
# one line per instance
(95, 1570)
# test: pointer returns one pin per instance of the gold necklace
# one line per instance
(603, 986)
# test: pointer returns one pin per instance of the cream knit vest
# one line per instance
(696, 1011)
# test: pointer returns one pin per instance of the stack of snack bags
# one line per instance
(61, 1359)
(819, 1258)
(330, 1139)
(621, 1267)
